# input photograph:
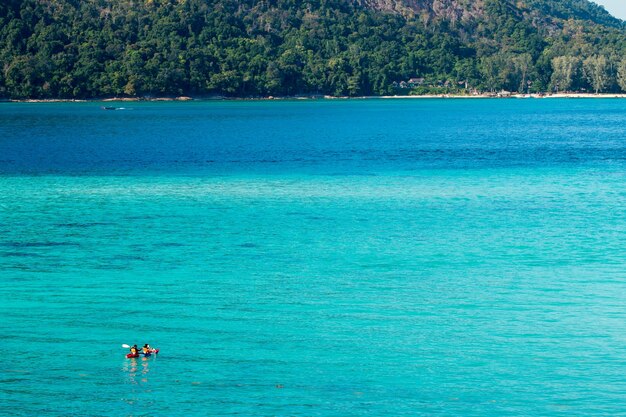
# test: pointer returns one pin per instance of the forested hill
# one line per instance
(100, 48)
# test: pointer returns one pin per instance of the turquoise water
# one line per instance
(383, 258)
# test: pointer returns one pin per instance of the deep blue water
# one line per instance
(314, 258)
(320, 137)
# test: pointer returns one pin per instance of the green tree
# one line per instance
(621, 74)
(596, 71)
(496, 70)
(564, 69)
(522, 64)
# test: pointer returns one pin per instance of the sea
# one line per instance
(401, 257)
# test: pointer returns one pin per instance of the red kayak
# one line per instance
(146, 355)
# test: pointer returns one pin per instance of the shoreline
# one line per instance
(272, 98)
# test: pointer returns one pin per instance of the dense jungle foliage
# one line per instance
(99, 48)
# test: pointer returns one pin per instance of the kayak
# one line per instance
(152, 352)
(145, 355)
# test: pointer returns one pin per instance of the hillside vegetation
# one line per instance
(98, 48)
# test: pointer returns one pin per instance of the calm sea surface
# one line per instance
(314, 258)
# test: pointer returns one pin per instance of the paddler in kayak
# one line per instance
(148, 350)
(134, 350)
